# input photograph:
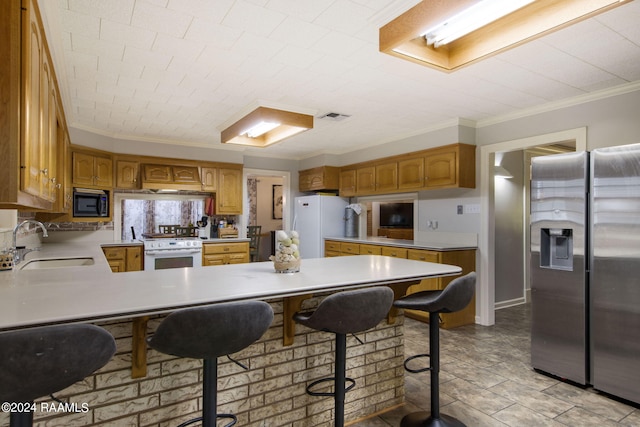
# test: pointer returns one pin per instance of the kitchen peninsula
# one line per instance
(271, 392)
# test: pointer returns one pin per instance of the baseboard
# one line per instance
(510, 303)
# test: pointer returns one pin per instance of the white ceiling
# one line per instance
(180, 71)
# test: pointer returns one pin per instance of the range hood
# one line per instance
(170, 177)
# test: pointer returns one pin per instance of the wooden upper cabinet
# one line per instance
(440, 169)
(32, 54)
(157, 173)
(91, 170)
(209, 178)
(411, 174)
(366, 180)
(348, 183)
(386, 177)
(186, 175)
(320, 178)
(450, 166)
(229, 193)
(127, 174)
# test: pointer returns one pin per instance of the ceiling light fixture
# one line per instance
(265, 126)
(470, 19)
(404, 38)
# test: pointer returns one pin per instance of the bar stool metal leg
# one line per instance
(341, 375)
(433, 419)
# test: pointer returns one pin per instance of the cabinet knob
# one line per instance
(45, 171)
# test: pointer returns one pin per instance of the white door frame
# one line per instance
(486, 290)
(286, 196)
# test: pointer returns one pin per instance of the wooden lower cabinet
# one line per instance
(466, 259)
(124, 258)
(225, 253)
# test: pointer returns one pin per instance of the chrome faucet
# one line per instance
(18, 255)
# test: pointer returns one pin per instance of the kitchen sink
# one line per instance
(40, 264)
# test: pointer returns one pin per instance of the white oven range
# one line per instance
(166, 253)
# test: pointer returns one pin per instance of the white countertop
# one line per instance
(89, 293)
(411, 244)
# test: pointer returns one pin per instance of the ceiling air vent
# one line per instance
(336, 117)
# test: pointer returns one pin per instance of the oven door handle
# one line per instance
(172, 252)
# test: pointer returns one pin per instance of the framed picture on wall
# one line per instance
(277, 202)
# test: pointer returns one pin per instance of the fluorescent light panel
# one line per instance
(403, 37)
(470, 19)
(260, 129)
(266, 126)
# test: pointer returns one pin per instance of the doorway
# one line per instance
(266, 205)
(486, 291)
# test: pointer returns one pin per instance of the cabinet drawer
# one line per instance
(331, 246)
(350, 248)
(422, 255)
(370, 250)
(394, 252)
(114, 253)
(225, 248)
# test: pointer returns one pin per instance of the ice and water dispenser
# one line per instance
(556, 248)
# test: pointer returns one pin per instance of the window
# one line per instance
(145, 212)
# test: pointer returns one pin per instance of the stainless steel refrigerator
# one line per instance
(585, 268)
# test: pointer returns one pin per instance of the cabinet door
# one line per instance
(411, 173)
(348, 183)
(423, 255)
(370, 249)
(157, 173)
(349, 248)
(229, 193)
(440, 169)
(366, 180)
(127, 174)
(209, 178)
(103, 169)
(82, 169)
(32, 56)
(186, 175)
(208, 260)
(54, 170)
(394, 252)
(134, 258)
(45, 123)
(304, 181)
(387, 177)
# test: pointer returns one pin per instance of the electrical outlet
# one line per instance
(460, 211)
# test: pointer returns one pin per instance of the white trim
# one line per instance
(510, 303)
(485, 305)
(564, 103)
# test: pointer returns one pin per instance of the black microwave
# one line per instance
(88, 203)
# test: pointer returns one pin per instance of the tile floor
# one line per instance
(486, 380)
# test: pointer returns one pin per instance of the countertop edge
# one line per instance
(410, 244)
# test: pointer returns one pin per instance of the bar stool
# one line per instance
(454, 297)
(40, 361)
(344, 313)
(210, 332)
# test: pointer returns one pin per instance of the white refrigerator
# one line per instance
(317, 217)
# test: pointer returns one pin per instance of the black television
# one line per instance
(396, 215)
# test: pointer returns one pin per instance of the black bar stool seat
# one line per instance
(347, 312)
(40, 361)
(210, 332)
(455, 297)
